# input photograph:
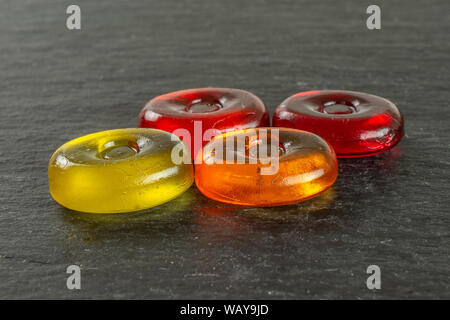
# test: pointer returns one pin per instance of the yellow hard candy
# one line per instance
(120, 170)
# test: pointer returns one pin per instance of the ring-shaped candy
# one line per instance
(265, 167)
(120, 170)
(356, 124)
(191, 113)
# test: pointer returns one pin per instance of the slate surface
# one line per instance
(391, 210)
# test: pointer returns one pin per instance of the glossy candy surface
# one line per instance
(118, 171)
(265, 167)
(197, 110)
(356, 124)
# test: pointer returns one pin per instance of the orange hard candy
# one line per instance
(265, 167)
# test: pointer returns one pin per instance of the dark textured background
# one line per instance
(391, 210)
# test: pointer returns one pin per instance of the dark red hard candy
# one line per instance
(356, 124)
(198, 110)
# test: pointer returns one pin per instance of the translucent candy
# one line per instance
(118, 171)
(265, 167)
(196, 111)
(356, 124)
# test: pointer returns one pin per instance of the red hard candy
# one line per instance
(355, 124)
(195, 111)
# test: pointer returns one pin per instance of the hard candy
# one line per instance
(265, 167)
(356, 124)
(196, 115)
(118, 171)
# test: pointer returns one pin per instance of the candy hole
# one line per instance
(115, 150)
(340, 107)
(203, 106)
(262, 148)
